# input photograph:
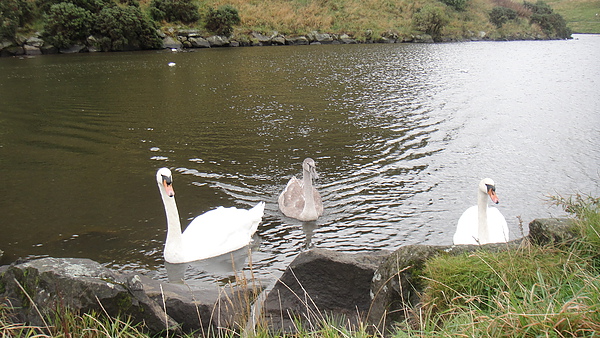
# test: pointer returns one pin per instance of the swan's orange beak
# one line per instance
(492, 193)
(168, 187)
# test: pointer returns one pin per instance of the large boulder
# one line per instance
(199, 42)
(544, 231)
(298, 40)
(171, 43)
(205, 310)
(50, 284)
(42, 287)
(261, 39)
(218, 41)
(320, 283)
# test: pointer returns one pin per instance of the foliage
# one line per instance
(67, 24)
(14, 14)
(222, 20)
(459, 5)
(530, 292)
(121, 27)
(431, 19)
(586, 210)
(552, 24)
(500, 15)
(184, 11)
(94, 6)
(539, 7)
(65, 323)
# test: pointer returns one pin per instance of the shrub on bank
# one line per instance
(185, 11)
(67, 24)
(431, 19)
(94, 6)
(552, 24)
(459, 5)
(501, 15)
(222, 20)
(14, 14)
(115, 27)
(126, 27)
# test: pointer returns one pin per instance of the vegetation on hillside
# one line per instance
(123, 24)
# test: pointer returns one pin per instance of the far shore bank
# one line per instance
(188, 39)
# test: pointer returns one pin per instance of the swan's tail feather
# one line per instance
(258, 209)
(256, 214)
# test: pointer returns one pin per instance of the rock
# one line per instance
(12, 51)
(5, 43)
(31, 50)
(278, 40)
(34, 41)
(199, 42)
(203, 310)
(218, 41)
(319, 283)
(263, 40)
(345, 38)
(49, 49)
(423, 38)
(171, 43)
(73, 49)
(545, 231)
(48, 285)
(93, 44)
(322, 38)
(190, 33)
(299, 40)
(384, 39)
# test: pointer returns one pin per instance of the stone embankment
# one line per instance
(364, 288)
(190, 39)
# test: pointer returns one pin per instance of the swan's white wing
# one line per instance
(497, 227)
(220, 231)
(467, 227)
(318, 202)
(291, 199)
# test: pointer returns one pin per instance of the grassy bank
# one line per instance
(582, 16)
(112, 25)
(362, 19)
(549, 291)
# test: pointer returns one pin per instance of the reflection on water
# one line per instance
(401, 135)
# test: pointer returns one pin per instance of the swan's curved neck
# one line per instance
(309, 199)
(482, 230)
(173, 222)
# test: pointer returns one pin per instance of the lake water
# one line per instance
(401, 133)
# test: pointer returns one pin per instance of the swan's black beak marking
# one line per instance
(491, 190)
(168, 184)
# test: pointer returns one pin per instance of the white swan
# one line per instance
(299, 199)
(211, 234)
(481, 224)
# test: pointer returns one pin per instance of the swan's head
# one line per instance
(310, 166)
(164, 179)
(488, 187)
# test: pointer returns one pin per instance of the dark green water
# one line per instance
(401, 135)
